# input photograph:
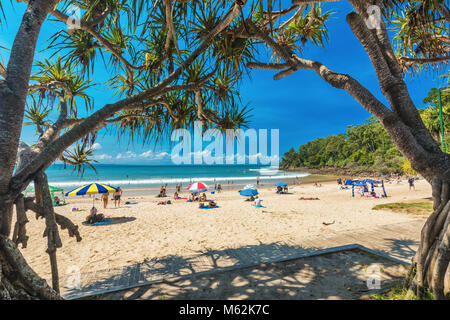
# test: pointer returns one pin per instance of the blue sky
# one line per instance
(302, 106)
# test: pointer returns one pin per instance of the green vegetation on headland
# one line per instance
(367, 147)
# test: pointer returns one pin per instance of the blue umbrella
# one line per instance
(371, 181)
(349, 182)
(248, 192)
(281, 184)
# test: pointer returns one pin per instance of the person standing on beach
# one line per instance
(411, 183)
(105, 199)
(117, 195)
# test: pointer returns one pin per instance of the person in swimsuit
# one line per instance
(105, 199)
(117, 195)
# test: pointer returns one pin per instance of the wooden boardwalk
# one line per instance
(398, 241)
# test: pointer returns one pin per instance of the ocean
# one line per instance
(145, 176)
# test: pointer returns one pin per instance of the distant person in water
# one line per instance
(117, 194)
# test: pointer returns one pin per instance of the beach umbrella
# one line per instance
(250, 186)
(281, 184)
(197, 187)
(248, 192)
(93, 188)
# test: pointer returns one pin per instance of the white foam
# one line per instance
(159, 181)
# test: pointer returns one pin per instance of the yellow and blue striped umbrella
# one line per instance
(93, 188)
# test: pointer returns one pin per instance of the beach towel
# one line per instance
(109, 221)
(128, 202)
(101, 223)
(210, 207)
(259, 206)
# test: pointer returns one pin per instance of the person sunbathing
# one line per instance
(252, 198)
(175, 196)
(164, 202)
(212, 204)
(93, 217)
(308, 198)
(203, 198)
(257, 202)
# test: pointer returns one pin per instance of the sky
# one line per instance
(301, 106)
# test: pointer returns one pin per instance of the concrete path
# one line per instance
(398, 241)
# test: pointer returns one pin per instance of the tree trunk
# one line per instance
(44, 199)
(430, 266)
(17, 279)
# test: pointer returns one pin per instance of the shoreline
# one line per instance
(264, 184)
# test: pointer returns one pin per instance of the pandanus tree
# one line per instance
(421, 42)
(170, 63)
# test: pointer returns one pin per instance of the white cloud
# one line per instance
(146, 154)
(103, 156)
(96, 146)
(126, 155)
(161, 155)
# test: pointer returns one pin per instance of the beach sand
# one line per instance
(183, 229)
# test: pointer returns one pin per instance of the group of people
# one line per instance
(341, 183)
(196, 197)
(282, 190)
(162, 192)
(116, 197)
(211, 204)
(256, 200)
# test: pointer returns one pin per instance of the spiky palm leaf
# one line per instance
(62, 71)
(80, 158)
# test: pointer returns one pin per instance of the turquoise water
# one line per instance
(143, 176)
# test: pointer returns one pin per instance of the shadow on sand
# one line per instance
(235, 274)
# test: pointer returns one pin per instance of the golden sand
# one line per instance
(183, 229)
